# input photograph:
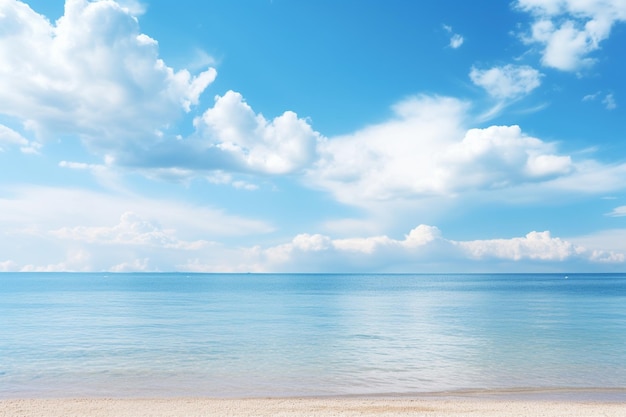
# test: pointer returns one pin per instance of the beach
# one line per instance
(309, 407)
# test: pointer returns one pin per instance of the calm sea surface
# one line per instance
(293, 334)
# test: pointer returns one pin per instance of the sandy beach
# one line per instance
(309, 407)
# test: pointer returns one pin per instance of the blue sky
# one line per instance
(321, 136)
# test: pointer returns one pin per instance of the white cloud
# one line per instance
(456, 40)
(53, 226)
(427, 151)
(134, 7)
(131, 230)
(533, 246)
(136, 265)
(591, 97)
(91, 73)
(231, 142)
(570, 30)
(606, 244)
(618, 212)
(11, 138)
(76, 260)
(589, 176)
(51, 208)
(94, 74)
(8, 266)
(106, 174)
(424, 249)
(507, 82)
(609, 102)
(284, 145)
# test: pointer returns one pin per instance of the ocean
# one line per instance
(224, 335)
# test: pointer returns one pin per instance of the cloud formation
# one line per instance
(10, 138)
(80, 230)
(92, 73)
(618, 212)
(281, 146)
(424, 248)
(609, 102)
(131, 230)
(456, 40)
(79, 213)
(230, 138)
(426, 150)
(508, 81)
(138, 244)
(570, 30)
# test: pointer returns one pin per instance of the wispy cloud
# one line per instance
(456, 40)
(507, 82)
(11, 138)
(618, 212)
(609, 102)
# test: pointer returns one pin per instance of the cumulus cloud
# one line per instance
(501, 155)
(508, 81)
(421, 249)
(533, 246)
(91, 73)
(230, 139)
(427, 151)
(570, 30)
(283, 145)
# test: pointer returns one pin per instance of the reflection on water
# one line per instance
(179, 334)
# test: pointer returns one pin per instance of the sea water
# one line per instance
(147, 334)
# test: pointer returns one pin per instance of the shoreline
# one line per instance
(308, 407)
(561, 402)
(599, 394)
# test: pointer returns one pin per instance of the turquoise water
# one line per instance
(293, 334)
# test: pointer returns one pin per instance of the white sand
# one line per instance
(309, 407)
